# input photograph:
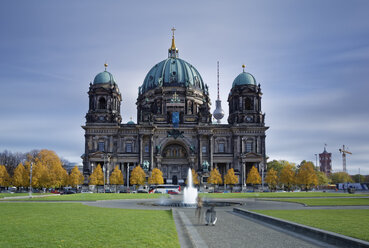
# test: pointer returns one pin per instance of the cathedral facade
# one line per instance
(174, 129)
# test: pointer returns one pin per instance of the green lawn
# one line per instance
(76, 225)
(279, 195)
(93, 197)
(354, 223)
(2, 195)
(329, 201)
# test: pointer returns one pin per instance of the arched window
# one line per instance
(248, 103)
(102, 103)
(249, 146)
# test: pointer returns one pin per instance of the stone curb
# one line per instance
(315, 233)
(193, 235)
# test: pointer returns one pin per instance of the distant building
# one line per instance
(174, 130)
(70, 166)
(325, 160)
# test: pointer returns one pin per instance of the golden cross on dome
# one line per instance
(106, 65)
(173, 29)
(243, 67)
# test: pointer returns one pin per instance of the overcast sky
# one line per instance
(310, 57)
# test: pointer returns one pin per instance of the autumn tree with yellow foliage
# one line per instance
(287, 176)
(230, 178)
(195, 177)
(253, 177)
(272, 179)
(97, 176)
(20, 176)
(116, 176)
(75, 177)
(156, 177)
(47, 170)
(215, 177)
(4, 176)
(138, 176)
(306, 176)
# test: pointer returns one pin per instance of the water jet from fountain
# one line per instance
(189, 192)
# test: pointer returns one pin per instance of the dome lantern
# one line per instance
(173, 50)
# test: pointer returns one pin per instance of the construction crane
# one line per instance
(344, 152)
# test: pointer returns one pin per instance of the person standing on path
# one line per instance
(199, 208)
(211, 216)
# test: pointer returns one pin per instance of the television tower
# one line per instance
(218, 112)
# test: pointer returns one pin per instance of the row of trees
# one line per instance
(138, 177)
(12, 159)
(47, 172)
(305, 175)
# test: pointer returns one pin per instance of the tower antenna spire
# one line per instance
(218, 78)
(218, 112)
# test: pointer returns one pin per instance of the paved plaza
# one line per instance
(231, 229)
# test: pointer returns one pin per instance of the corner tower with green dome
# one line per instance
(104, 100)
(245, 101)
(174, 129)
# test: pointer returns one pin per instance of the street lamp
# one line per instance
(30, 181)
(316, 160)
(105, 168)
(104, 176)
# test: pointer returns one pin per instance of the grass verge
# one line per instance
(353, 223)
(92, 197)
(279, 195)
(77, 225)
(329, 201)
(2, 195)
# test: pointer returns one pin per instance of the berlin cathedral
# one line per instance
(175, 129)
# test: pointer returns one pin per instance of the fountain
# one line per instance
(190, 198)
(190, 192)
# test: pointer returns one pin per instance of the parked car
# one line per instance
(69, 192)
(172, 192)
(84, 191)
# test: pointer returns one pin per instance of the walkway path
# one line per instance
(231, 230)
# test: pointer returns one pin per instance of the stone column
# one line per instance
(151, 152)
(211, 151)
(140, 148)
(199, 149)
(243, 183)
(127, 175)
(158, 162)
(258, 146)
(111, 144)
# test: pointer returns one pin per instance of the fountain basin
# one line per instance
(205, 204)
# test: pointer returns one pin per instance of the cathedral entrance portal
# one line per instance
(175, 180)
(175, 164)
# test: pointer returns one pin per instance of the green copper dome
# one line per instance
(244, 78)
(172, 72)
(104, 77)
